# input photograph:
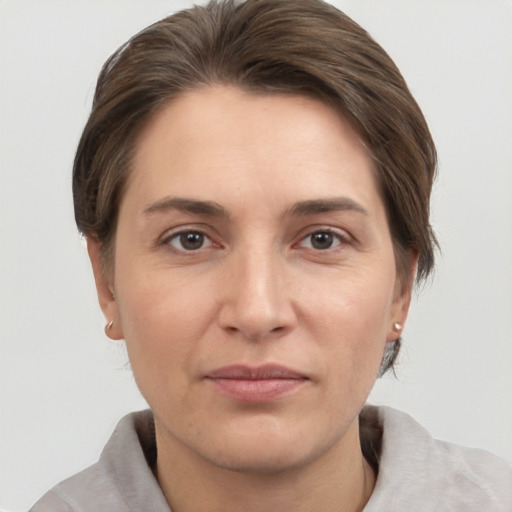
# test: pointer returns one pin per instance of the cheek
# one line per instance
(162, 321)
(351, 320)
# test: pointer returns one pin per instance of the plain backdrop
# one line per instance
(62, 384)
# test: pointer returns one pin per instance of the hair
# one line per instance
(304, 47)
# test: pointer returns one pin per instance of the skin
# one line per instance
(286, 174)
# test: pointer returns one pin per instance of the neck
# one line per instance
(339, 481)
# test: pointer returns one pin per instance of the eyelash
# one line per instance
(341, 238)
(332, 236)
(178, 236)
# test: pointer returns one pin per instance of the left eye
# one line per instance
(322, 240)
(189, 240)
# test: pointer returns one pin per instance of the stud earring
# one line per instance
(397, 326)
(109, 325)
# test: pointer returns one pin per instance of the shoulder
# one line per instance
(418, 472)
(51, 502)
(86, 491)
(121, 476)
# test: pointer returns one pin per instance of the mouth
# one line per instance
(256, 385)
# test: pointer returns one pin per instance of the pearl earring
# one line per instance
(397, 326)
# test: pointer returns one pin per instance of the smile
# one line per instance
(256, 385)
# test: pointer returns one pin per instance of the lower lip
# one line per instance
(257, 390)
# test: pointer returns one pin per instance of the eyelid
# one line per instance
(343, 237)
(206, 241)
(169, 234)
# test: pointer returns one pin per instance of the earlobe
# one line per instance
(105, 291)
(402, 301)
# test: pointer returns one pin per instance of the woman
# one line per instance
(253, 183)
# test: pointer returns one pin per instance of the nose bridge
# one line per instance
(257, 304)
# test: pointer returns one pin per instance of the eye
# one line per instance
(322, 240)
(189, 240)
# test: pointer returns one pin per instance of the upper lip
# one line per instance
(264, 372)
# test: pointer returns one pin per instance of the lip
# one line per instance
(256, 384)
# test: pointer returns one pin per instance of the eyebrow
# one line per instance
(207, 208)
(213, 209)
(315, 206)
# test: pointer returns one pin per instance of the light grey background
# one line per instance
(61, 394)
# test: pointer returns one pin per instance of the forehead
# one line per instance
(219, 138)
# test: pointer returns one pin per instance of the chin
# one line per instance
(264, 461)
(265, 453)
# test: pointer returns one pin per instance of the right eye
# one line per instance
(189, 241)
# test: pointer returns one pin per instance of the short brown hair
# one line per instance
(286, 46)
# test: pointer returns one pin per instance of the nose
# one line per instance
(257, 303)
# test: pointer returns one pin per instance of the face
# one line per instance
(254, 278)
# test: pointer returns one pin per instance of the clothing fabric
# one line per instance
(416, 472)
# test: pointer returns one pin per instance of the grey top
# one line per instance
(416, 472)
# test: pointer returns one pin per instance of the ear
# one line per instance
(105, 291)
(402, 299)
